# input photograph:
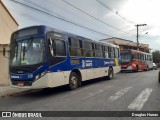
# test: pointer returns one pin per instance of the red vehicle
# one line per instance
(134, 60)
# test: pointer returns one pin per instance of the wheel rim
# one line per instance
(73, 81)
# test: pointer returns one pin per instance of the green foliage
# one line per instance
(156, 56)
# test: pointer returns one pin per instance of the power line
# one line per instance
(61, 18)
(95, 17)
(55, 5)
(115, 12)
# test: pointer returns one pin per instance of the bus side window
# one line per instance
(88, 49)
(109, 52)
(75, 47)
(142, 57)
(151, 57)
(98, 50)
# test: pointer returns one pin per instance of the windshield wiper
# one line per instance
(26, 49)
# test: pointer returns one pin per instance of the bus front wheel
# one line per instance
(110, 73)
(73, 81)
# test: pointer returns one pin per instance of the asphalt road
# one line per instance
(126, 92)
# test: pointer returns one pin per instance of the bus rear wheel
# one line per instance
(110, 73)
(137, 68)
(73, 81)
(147, 68)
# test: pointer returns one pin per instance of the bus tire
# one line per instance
(73, 81)
(147, 68)
(79, 83)
(110, 73)
(137, 68)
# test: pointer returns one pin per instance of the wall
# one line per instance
(4, 67)
(7, 26)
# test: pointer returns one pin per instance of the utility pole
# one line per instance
(138, 35)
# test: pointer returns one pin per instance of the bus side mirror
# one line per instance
(4, 52)
(52, 46)
(49, 41)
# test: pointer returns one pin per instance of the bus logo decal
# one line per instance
(87, 63)
(83, 63)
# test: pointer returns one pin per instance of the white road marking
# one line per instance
(95, 93)
(80, 90)
(83, 89)
(138, 103)
(76, 92)
(119, 93)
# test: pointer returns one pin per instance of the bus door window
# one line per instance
(50, 46)
(106, 52)
(112, 52)
(143, 61)
(139, 56)
(116, 53)
(133, 56)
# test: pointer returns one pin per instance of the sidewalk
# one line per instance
(8, 91)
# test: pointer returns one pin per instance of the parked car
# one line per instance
(154, 66)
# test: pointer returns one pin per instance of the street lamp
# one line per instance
(137, 33)
(144, 34)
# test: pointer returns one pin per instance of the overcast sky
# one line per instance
(99, 19)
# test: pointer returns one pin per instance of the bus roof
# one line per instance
(47, 28)
(136, 51)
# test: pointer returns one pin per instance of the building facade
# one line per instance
(7, 25)
(127, 44)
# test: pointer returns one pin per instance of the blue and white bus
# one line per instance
(43, 57)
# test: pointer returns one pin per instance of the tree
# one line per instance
(156, 56)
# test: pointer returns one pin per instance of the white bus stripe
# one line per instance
(119, 93)
(138, 103)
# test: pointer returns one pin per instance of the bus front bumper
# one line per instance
(129, 68)
(43, 82)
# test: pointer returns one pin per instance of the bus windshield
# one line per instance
(125, 57)
(27, 52)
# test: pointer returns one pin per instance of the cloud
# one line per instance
(137, 11)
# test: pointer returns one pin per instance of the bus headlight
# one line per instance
(43, 73)
(40, 75)
(37, 77)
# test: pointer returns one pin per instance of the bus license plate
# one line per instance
(21, 84)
